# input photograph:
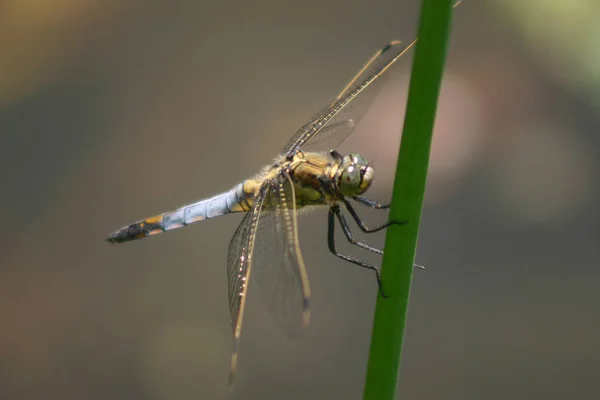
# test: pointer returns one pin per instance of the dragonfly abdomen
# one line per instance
(228, 202)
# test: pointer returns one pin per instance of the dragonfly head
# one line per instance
(354, 175)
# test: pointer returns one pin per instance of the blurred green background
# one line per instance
(113, 110)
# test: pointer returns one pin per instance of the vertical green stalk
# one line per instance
(407, 200)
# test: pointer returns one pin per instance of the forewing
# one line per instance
(239, 267)
(280, 270)
(331, 136)
(353, 102)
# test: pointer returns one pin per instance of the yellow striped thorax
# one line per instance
(318, 178)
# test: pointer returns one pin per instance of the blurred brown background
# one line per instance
(114, 110)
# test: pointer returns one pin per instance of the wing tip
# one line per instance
(390, 44)
(306, 313)
(306, 319)
(233, 364)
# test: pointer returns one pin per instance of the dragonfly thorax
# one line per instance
(354, 175)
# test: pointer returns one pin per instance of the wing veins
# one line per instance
(239, 270)
(320, 120)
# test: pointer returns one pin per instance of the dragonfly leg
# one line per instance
(362, 225)
(338, 212)
(334, 210)
(346, 229)
(371, 203)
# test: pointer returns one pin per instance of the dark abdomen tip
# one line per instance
(138, 230)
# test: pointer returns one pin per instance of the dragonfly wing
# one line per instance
(239, 266)
(280, 270)
(331, 136)
(353, 102)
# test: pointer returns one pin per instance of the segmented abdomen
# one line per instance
(228, 202)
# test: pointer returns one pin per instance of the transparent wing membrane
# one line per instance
(239, 266)
(279, 267)
(266, 242)
(347, 107)
(331, 136)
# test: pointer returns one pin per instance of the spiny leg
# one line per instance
(348, 233)
(376, 205)
(332, 248)
(362, 225)
(346, 229)
(371, 203)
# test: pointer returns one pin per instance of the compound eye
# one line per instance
(367, 174)
(358, 159)
(350, 180)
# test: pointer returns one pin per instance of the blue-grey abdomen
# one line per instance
(221, 204)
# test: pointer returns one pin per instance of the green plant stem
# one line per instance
(407, 200)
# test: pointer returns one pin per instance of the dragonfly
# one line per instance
(308, 172)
